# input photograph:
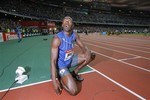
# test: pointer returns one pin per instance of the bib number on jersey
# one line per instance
(69, 54)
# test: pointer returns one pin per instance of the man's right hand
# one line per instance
(57, 87)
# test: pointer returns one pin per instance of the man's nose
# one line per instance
(67, 22)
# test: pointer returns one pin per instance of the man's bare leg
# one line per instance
(70, 85)
(81, 63)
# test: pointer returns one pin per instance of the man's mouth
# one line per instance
(66, 26)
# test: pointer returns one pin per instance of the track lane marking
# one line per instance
(119, 60)
(36, 83)
(129, 45)
(124, 39)
(120, 47)
(118, 84)
(122, 61)
(117, 51)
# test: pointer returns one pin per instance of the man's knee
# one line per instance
(73, 91)
(71, 88)
(92, 57)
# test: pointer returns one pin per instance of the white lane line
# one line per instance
(120, 47)
(110, 41)
(114, 42)
(26, 85)
(117, 51)
(130, 58)
(125, 39)
(32, 84)
(122, 61)
(118, 84)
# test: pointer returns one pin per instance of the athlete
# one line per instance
(63, 58)
(18, 30)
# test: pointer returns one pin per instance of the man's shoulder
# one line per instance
(56, 39)
(60, 34)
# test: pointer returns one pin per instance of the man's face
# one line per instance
(67, 25)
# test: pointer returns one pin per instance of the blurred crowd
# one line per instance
(28, 8)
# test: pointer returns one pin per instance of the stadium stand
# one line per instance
(95, 21)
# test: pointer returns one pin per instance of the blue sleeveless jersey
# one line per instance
(65, 52)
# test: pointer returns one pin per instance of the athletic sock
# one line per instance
(93, 55)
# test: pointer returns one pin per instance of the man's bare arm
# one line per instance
(54, 56)
(84, 48)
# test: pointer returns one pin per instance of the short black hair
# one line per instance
(67, 17)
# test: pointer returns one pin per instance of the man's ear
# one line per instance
(62, 25)
(73, 25)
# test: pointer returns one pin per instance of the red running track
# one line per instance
(121, 72)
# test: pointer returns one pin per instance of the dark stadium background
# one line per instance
(111, 16)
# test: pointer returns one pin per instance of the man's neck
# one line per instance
(68, 33)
